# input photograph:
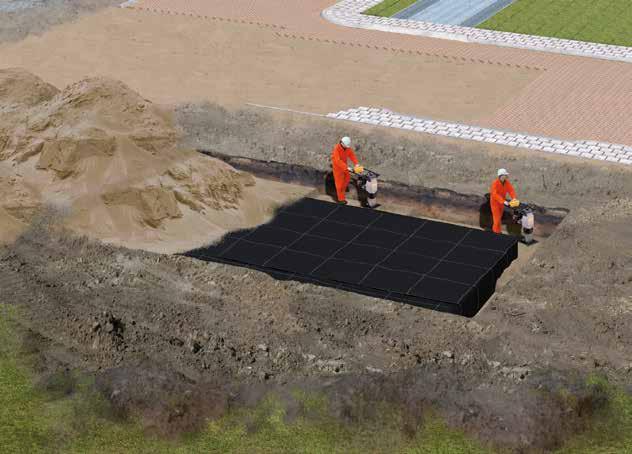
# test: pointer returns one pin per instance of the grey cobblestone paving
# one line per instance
(600, 151)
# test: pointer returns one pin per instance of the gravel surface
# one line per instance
(21, 18)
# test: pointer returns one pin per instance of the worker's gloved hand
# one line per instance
(506, 203)
(358, 169)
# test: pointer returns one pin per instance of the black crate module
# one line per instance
(425, 263)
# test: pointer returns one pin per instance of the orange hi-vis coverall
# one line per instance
(339, 158)
(497, 197)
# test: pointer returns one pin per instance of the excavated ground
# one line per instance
(174, 340)
(211, 336)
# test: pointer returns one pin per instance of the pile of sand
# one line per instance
(19, 89)
(110, 158)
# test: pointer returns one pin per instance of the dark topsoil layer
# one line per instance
(212, 336)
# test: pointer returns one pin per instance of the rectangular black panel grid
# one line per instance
(415, 261)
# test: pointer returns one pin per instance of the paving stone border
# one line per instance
(600, 151)
(349, 13)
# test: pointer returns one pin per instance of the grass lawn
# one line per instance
(597, 21)
(389, 7)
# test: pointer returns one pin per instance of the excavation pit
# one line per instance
(423, 262)
(435, 203)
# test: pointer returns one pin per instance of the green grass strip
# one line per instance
(597, 21)
(388, 8)
(611, 431)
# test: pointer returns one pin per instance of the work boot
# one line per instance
(342, 202)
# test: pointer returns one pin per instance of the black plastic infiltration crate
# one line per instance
(425, 263)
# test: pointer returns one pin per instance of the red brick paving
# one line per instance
(574, 98)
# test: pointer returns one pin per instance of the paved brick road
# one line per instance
(574, 98)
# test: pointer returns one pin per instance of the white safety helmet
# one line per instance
(502, 172)
(346, 141)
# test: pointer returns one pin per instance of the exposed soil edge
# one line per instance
(449, 205)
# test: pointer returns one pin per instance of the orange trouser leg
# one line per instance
(342, 181)
(497, 215)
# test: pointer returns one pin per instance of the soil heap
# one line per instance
(109, 159)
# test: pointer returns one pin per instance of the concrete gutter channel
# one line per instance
(437, 203)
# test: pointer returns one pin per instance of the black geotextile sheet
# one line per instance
(411, 260)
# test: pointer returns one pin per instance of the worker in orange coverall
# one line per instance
(498, 198)
(342, 153)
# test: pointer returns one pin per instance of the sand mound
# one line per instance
(19, 88)
(111, 157)
(82, 121)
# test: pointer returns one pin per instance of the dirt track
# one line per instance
(219, 61)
